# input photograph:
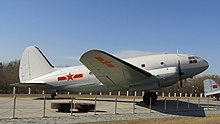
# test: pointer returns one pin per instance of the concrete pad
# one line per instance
(33, 107)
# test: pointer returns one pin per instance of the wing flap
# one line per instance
(111, 70)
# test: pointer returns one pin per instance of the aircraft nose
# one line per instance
(204, 64)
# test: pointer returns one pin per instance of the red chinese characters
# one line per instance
(105, 62)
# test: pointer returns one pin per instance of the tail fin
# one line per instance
(210, 87)
(33, 64)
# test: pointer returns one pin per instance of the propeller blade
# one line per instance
(180, 73)
(179, 69)
(181, 83)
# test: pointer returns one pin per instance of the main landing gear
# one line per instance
(147, 96)
(53, 94)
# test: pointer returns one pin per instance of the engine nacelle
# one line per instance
(168, 76)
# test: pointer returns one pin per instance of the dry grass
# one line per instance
(210, 119)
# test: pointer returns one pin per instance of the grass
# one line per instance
(210, 119)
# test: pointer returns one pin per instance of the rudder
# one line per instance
(210, 86)
(33, 64)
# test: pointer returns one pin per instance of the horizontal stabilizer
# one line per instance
(28, 84)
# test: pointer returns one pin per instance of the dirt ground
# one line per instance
(210, 119)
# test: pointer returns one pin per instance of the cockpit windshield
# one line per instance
(193, 59)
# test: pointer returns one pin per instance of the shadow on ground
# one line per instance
(184, 108)
(181, 108)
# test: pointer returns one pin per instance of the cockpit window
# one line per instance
(193, 59)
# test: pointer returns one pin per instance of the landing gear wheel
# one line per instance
(53, 95)
(147, 96)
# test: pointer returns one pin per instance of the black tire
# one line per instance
(153, 97)
(53, 95)
(147, 96)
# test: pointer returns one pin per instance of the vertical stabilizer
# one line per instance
(210, 87)
(33, 64)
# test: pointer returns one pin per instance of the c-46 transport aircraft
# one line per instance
(104, 72)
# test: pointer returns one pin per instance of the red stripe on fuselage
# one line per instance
(78, 76)
(62, 78)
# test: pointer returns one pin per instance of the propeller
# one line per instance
(180, 73)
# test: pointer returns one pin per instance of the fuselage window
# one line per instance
(142, 65)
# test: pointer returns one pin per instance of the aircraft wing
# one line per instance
(215, 93)
(111, 70)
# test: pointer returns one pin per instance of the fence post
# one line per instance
(199, 103)
(217, 105)
(14, 90)
(119, 93)
(196, 95)
(14, 105)
(29, 90)
(95, 105)
(142, 93)
(201, 95)
(208, 103)
(116, 105)
(110, 93)
(165, 104)
(71, 106)
(44, 109)
(177, 104)
(133, 105)
(150, 103)
(188, 103)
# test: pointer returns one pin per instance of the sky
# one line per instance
(65, 29)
